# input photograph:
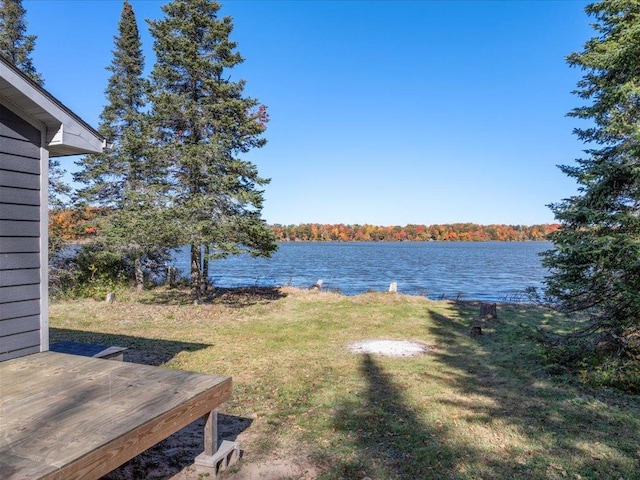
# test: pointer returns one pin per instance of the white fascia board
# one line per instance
(70, 141)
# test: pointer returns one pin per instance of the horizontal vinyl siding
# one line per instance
(19, 237)
(24, 276)
(9, 178)
(20, 353)
(12, 126)
(19, 245)
(19, 195)
(17, 261)
(20, 293)
(20, 309)
(18, 325)
(19, 228)
(19, 212)
(20, 341)
(19, 163)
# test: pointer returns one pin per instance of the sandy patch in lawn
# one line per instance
(273, 470)
(391, 348)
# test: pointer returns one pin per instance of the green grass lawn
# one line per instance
(473, 408)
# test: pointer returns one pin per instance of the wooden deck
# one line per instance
(70, 417)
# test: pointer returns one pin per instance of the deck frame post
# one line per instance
(211, 433)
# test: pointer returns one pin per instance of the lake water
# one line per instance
(491, 271)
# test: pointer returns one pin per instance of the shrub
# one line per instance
(584, 358)
(87, 271)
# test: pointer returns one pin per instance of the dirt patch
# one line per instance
(173, 457)
(390, 348)
(273, 470)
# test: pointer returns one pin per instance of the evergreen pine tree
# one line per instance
(122, 167)
(595, 266)
(205, 123)
(15, 44)
(124, 178)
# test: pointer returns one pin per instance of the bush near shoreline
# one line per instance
(497, 405)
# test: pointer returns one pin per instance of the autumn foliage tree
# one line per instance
(340, 232)
(456, 232)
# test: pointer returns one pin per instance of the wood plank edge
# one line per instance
(108, 457)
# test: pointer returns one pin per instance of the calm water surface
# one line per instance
(493, 271)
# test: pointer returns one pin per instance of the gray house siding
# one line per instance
(19, 236)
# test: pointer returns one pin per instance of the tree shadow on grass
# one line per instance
(239, 297)
(501, 381)
(387, 436)
(147, 351)
(489, 409)
(395, 439)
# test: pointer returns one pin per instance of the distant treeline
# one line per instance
(81, 223)
(456, 232)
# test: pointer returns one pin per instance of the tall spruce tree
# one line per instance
(205, 123)
(15, 44)
(17, 47)
(122, 167)
(595, 266)
(124, 178)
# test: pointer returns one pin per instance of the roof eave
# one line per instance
(67, 134)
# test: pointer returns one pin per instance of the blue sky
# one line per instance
(382, 112)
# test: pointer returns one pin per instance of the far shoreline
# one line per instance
(417, 241)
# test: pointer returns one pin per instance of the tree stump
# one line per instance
(609, 344)
(476, 328)
(488, 310)
(172, 275)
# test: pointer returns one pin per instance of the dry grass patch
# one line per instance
(471, 408)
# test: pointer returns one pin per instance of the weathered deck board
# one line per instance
(74, 417)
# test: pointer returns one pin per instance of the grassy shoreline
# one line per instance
(474, 407)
